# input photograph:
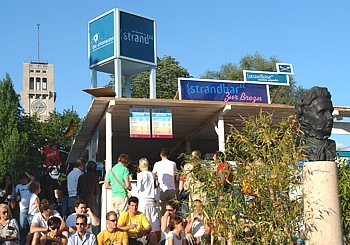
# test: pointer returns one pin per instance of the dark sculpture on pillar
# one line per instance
(314, 110)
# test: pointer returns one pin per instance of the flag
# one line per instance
(52, 156)
(69, 131)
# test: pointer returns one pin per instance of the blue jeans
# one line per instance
(64, 207)
(23, 225)
(71, 202)
(23, 219)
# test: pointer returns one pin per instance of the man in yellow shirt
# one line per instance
(112, 235)
(134, 222)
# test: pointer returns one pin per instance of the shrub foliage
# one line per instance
(256, 206)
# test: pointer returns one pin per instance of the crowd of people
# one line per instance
(68, 212)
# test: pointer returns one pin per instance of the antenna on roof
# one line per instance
(38, 43)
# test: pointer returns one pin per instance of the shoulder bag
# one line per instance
(126, 190)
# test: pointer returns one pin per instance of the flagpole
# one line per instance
(73, 129)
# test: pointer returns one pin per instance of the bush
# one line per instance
(256, 206)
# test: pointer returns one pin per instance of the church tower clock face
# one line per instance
(38, 106)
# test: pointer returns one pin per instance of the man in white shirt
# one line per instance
(39, 223)
(80, 208)
(23, 198)
(72, 182)
(165, 171)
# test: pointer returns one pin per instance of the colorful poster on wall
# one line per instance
(140, 123)
(162, 123)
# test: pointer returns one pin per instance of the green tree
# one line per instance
(48, 133)
(23, 138)
(13, 143)
(167, 72)
(284, 94)
(56, 125)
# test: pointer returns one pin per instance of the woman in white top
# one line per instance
(176, 236)
(146, 188)
(9, 231)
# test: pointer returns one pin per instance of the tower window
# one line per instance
(44, 71)
(38, 85)
(44, 83)
(31, 83)
(37, 71)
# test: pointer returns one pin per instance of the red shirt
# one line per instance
(228, 172)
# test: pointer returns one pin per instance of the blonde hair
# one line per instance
(143, 163)
(196, 154)
(5, 206)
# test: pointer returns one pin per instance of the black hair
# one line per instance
(134, 200)
(54, 221)
(165, 152)
(78, 202)
(91, 167)
(82, 216)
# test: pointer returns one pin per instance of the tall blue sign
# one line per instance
(101, 39)
(137, 37)
(122, 35)
(218, 90)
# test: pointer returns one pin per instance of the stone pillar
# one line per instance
(321, 203)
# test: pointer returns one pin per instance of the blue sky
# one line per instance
(201, 35)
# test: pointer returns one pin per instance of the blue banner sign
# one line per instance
(101, 39)
(137, 37)
(219, 90)
(263, 77)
